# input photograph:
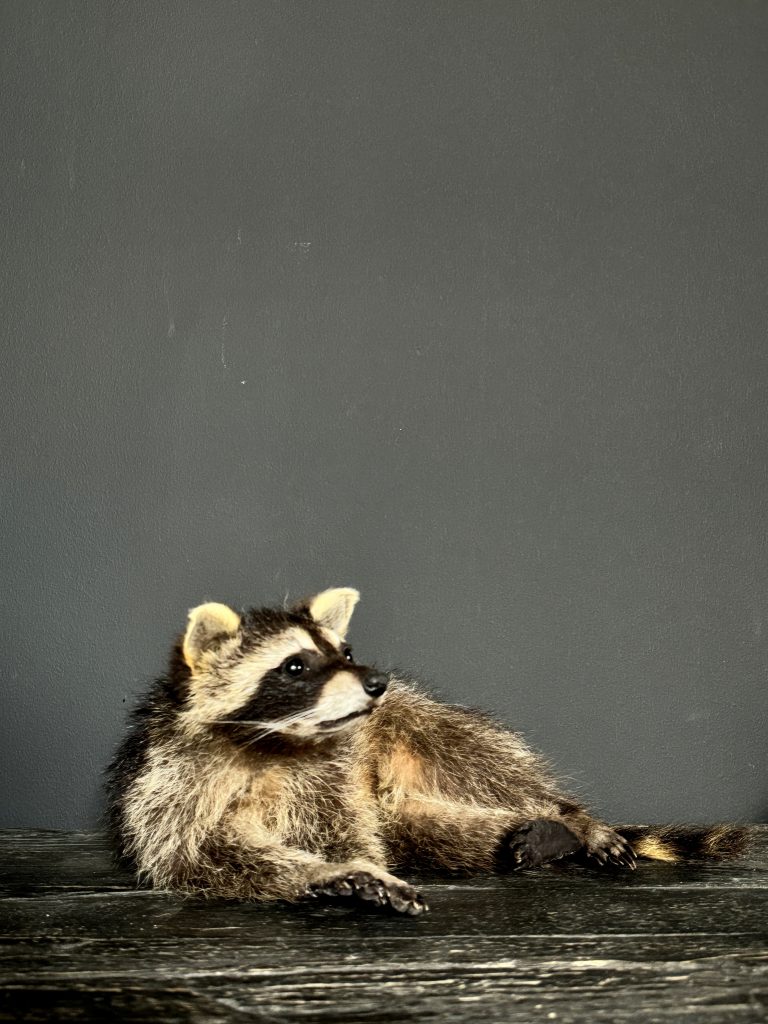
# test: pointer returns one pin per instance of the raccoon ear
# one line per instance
(333, 608)
(208, 625)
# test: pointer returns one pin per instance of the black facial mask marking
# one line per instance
(282, 693)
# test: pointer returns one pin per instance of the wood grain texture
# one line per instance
(79, 942)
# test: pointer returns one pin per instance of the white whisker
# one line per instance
(266, 728)
(238, 721)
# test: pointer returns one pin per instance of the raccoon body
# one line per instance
(268, 764)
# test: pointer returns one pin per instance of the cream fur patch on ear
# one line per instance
(333, 608)
(206, 623)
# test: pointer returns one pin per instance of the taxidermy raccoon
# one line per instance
(268, 764)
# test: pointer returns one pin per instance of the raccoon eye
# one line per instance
(347, 652)
(293, 666)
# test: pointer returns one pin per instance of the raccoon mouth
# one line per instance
(337, 723)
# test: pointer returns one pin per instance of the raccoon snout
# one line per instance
(375, 683)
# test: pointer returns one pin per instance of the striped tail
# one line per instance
(674, 843)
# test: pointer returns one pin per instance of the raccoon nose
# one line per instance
(375, 683)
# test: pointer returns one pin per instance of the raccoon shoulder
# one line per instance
(409, 711)
(416, 742)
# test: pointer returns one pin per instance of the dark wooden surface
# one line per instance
(666, 943)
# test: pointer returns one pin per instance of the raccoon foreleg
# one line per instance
(272, 871)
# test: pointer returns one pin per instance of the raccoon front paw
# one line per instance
(362, 885)
(535, 843)
(611, 849)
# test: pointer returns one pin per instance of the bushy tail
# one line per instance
(675, 843)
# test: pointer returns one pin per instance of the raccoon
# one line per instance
(269, 764)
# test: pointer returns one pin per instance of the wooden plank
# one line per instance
(509, 908)
(720, 989)
(22, 958)
(78, 942)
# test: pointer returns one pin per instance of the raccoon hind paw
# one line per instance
(535, 843)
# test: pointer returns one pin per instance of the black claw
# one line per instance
(372, 891)
(615, 852)
(412, 903)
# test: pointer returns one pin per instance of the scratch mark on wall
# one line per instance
(171, 322)
(224, 327)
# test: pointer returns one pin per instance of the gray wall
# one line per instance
(460, 303)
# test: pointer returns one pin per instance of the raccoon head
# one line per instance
(277, 672)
